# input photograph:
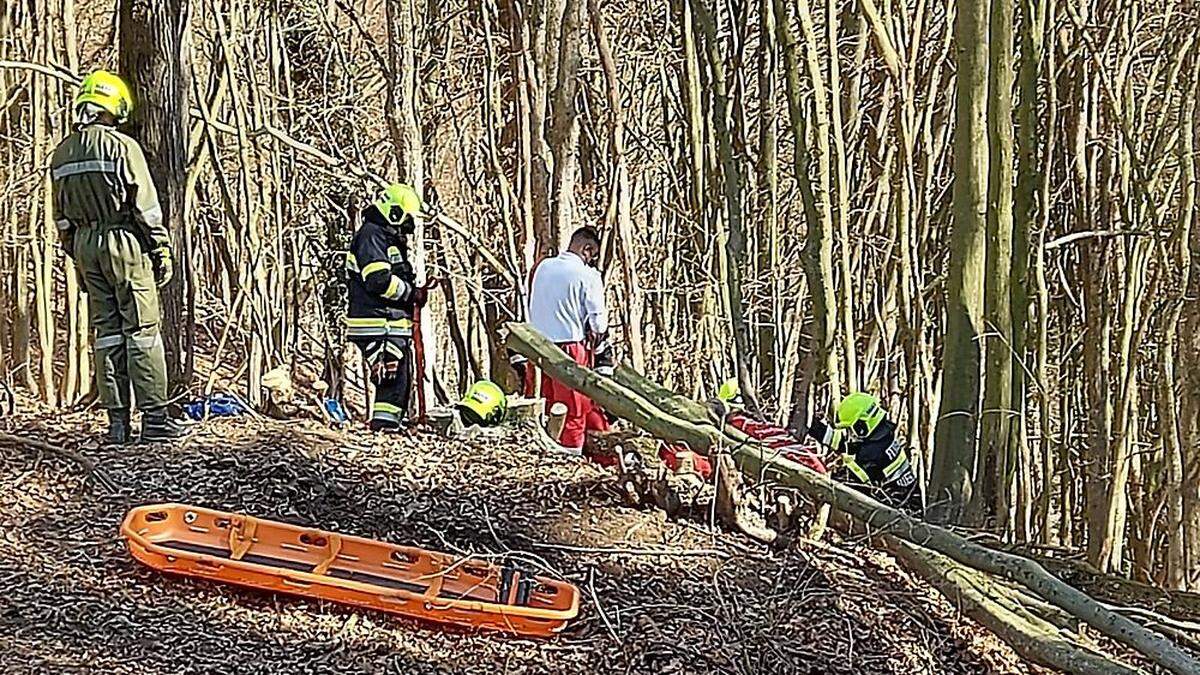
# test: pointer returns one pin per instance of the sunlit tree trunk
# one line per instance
(767, 176)
(617, 214)
(731, 184)
(821, 362)
(953, 480)
(997, 470)
(155, 56)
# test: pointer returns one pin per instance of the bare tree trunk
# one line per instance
(78, 380)
(840, 174)
(155, 55)
(1026, 208)
(42, 245)
(1183, 528)
(563, 135)
(731, 182)
(817, 256)
(767, 176)
(620, 197)
(997, 470)
(404, 26)
(953, 481)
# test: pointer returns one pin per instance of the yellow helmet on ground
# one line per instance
(484, 403)
(860, 413)
(107, 91)
(729, 391)
(398, 202)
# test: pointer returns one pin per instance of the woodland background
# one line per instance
(985, 212)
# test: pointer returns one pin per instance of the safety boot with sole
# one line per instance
(158, 426)
(119, 429)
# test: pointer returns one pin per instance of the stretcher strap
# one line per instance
(241, 537)
(335, 548)
(436, 581)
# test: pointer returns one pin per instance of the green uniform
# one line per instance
(107, 212)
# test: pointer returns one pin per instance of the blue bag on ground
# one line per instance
(217, 405)
(336, 412)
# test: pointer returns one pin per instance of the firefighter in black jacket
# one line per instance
(383, 297)
(872, 454)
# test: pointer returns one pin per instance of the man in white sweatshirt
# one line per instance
(566, 305)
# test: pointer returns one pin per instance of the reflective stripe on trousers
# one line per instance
(109, 341)
(382, 410)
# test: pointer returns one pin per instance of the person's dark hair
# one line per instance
(586, 235)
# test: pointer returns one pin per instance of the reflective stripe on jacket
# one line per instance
(99, 177)
(379, 280)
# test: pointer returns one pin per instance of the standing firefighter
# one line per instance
(872, 453)
(109, 220)
(383, 297)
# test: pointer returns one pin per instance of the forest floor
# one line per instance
(72, 600)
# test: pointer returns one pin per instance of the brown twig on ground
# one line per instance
(86, 464)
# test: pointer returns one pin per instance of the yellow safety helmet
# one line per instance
(484, 403)
(729, 391)
(107, 91)
(860, 413)
(398, 202)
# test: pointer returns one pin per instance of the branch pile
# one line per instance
(1015, 597)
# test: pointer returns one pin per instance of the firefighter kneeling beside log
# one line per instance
(872, 454)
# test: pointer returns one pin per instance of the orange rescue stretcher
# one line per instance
(413, 582)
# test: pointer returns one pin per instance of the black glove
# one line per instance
(604, 363)
(602, 353)
(164, 268)
(817, 430)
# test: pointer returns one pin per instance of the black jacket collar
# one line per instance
(373, 215)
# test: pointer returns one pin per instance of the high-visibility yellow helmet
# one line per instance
(860, 413)
(484, 403)
(398, 202)
(729, 391)
(107, 91)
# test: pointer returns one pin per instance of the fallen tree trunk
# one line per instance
(614, 397)
(1181, 605)
(974, 593)
(1024, 571)
(763, 462)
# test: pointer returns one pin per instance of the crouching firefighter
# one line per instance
(383, 298)
(872, 454)
(109, 221)
(484, 404)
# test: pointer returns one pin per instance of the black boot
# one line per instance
(158, 426)
(385, 426)
(118, 427)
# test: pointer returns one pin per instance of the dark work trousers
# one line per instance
(389, 363)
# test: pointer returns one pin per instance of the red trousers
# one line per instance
(582, 415)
